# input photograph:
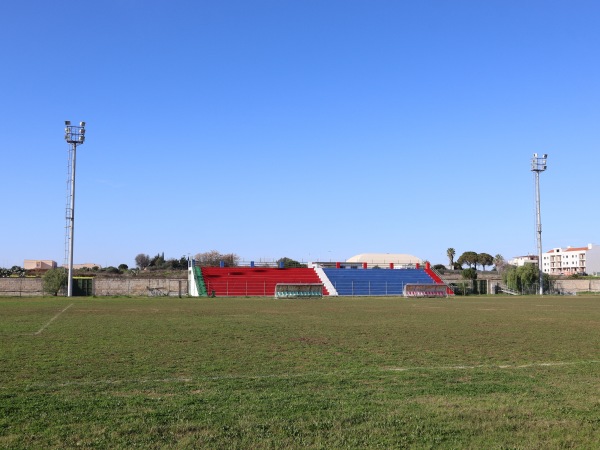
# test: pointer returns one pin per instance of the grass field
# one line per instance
(474, 372)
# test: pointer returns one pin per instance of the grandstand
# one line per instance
(375, 281)
(338, 280)
(253, 281)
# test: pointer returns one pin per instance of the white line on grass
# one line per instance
(493, 366)
(51, 320)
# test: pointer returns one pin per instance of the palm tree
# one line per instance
(451, 253)
(499, 262)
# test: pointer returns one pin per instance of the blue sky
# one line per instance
(311, 129)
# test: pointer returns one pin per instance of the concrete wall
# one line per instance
(574, 286)
(140, 287)
(21, 287)
(144, 287)
(137, 287)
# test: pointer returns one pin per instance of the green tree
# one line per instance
(17, 271)
(469, 274)
(511, 278)
(469, 258)
(529, 275)
(485, 259)
(289, 263)
(451, 253)
(54, 280)
(158, 261)
(176, 264)
(440, 268)
(142, 260)
(123, 267)
(525, 279)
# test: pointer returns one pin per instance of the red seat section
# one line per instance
(434, 276)
(253, 281)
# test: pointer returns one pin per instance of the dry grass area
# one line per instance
(474, 372)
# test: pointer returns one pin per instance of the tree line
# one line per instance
(473, 259)
(158, 262)
(212, 258)
(525, 278)
(14, 271)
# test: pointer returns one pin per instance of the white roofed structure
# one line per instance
(384, 259)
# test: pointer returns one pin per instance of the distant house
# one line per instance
(522, 260)
(572, 260)
(39, 264)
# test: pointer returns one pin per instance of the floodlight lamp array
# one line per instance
(539, 162)
(74, 134)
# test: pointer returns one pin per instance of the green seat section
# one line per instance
(200, 282)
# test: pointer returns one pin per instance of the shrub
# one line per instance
(54, 280)
(440, 268)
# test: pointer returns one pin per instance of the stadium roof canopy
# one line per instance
(385, 258)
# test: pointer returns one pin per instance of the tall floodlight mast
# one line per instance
(74, 135)
(538, 165)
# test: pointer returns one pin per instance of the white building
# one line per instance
(522, 260)
(572, 260)
(399, 260)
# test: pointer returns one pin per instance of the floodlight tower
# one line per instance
(538, 165)
(74, 135)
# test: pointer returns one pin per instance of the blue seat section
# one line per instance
(375, 281)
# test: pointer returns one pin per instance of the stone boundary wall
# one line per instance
(174, 287)
(575, 286)
(141, 287)
(136, 287)
(21, 287)
(564, 285)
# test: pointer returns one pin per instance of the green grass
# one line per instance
(475, 372)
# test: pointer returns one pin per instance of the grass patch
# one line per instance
(472, 372)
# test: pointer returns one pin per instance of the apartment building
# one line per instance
(572, 260)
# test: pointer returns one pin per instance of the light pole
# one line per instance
(74, 135)
(538, 165)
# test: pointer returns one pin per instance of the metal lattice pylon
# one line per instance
(68, 209)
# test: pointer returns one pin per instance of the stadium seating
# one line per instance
(250, 281)
(375, 281)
